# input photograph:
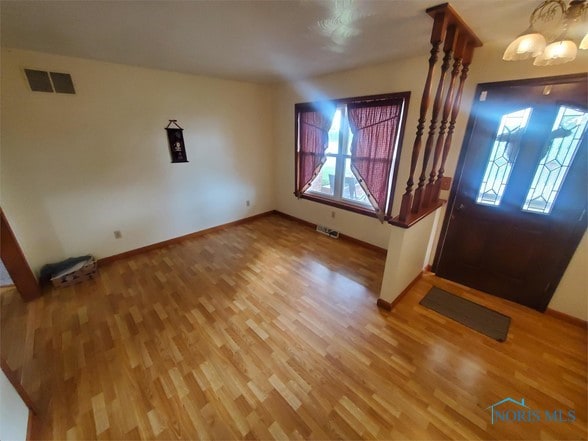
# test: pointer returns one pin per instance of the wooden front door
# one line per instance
(518, 206)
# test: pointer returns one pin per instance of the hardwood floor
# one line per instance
(269, 330)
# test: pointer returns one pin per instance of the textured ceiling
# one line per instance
(250, 40)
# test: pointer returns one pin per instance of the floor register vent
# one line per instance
(327, 231)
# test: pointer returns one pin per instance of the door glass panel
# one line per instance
(502, 157)
(566, 136)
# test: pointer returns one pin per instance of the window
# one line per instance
(566, 136)
(503, 156)
(346, 151)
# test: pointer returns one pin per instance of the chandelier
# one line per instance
(552, 34)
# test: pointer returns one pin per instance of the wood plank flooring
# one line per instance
(269, 330)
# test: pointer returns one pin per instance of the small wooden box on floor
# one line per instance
(86, 272)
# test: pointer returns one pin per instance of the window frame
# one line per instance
(340, 202)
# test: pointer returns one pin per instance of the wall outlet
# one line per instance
(333, 214)
(248, 203)
(117, 234)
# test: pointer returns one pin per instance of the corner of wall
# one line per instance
(571, 295)
(407, 256)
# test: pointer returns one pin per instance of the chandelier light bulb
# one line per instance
(584, 42)
(560, 22)
(558, 52)
(529, 44)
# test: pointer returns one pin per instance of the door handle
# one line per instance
(457, 209)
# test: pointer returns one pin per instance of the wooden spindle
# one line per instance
(467, 59)
(460, 42)
(419, 194)
(437, 36)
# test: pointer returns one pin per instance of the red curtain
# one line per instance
(374, 126)
(313, 139)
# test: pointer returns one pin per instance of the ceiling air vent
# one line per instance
(62, 82)
(41, 81)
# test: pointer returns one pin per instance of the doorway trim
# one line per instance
(16, 264)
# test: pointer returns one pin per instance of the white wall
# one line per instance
(571, 295)
(398, 76)
(407, 254)
(74, 168)
(14, 413)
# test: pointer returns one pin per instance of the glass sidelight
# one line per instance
(503, 156)
(566, 136)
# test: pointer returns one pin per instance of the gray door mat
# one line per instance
(474, 316)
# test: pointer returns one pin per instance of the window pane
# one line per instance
(334, 133)
(325, 181)
(349, 140)
(566, 136)
(503, 156)
(352, 191)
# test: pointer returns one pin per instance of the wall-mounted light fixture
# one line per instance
(552, 34)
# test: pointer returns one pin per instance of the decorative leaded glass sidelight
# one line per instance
(566, 136)
(503, 156)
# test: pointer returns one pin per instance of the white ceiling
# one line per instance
(251, 40)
